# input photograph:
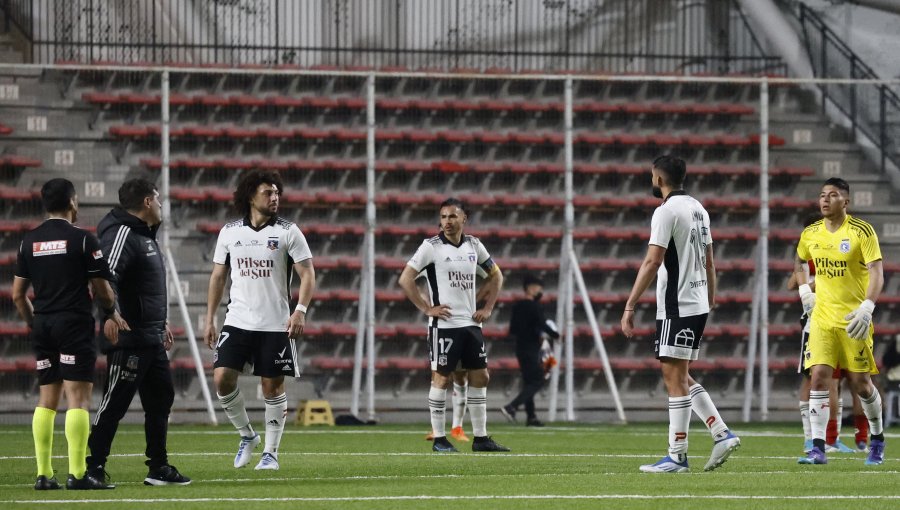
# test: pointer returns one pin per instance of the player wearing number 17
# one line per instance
(849, 279)
(450, 261)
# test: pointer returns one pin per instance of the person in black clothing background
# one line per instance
(59, 260)
(136, 360)
(526, 326)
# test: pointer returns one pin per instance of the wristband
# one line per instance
(300, 308)
(629, 309)
(109, 312)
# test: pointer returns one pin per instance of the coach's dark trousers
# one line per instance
(144, 371)
(532, 380)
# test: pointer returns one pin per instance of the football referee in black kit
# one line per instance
(59, 260)
(137, 360)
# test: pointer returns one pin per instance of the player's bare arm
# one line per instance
(876, 280)
(20, 299)
(105, 295)
(213, 297)
(492, 285)
(710, 276)
(307, 274)
(807, 296)
(646, 274)
(408, 284)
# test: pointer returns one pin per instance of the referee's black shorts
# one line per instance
(63, 345)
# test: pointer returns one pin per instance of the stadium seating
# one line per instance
(499, 146)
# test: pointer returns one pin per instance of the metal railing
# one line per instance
(636, 36)
(870, 110)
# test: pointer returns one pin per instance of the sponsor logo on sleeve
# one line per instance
(97, 255)
(43, 364)
(44, 248)
(67, 359)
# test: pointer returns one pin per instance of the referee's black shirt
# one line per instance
(59, 259)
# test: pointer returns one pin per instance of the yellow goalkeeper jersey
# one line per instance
(840, 260)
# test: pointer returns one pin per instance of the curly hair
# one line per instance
(248, 185)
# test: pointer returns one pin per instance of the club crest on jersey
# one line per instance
(471, 257)
(845, 246)
(132, 363)
(272, 244)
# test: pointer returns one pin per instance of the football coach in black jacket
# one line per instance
(137, 363)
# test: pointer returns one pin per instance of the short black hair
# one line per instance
(56, 194)
(838, 183)
(452, 201)
(673, 168)
(247, 188)
(531, 279)
(133, 192)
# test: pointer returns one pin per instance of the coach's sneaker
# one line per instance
(721, 450)
(838, 447)
(666, 465)
(442, 445)
(268, 461)
(486, 444)
(509, 413)
(876, 453)
(87, 482)
(815, 456)
(459, 434)
(245, 450)
(807, 445)
(166, 475)
(46, 484)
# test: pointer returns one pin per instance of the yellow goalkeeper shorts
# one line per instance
(833, 347)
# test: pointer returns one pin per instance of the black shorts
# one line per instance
(452, 348)
(679, 337)
(64, 349)
(270, 353)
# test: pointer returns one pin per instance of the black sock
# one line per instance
(819, 443)
(878, 437)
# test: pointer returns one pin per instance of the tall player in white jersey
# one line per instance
(450, 262)
(680, 255)
(260, 251)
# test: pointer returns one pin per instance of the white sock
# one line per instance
(236, 411)
(703, 406)
(840, 414)
(459, 404)
(437, 405)
(679, 422)
(477, 403)
(276, 412)
(818, 413)
(872, 407)
(804, 419)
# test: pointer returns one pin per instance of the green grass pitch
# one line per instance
(571, 466)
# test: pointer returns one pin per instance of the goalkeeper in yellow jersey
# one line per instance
(849, 278)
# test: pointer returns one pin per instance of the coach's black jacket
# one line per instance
(139, 273)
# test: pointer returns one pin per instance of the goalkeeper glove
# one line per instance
(860, 320)
(808, 298)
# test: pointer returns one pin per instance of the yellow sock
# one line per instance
(42, 430)
(78, 427)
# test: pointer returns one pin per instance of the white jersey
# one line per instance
(450, 271)
(681, 226)
(261, 263)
